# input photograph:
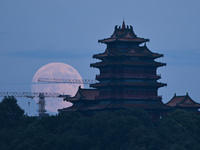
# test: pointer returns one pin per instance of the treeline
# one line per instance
(108, 130)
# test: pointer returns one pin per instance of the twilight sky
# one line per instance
(37, 32)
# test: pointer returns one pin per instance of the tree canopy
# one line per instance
(10, 112)
(106, 130)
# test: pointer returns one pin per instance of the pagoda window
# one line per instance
(150, 71)
(118, 46)
(113, 91)
(134, 59)
(154, 92)
(120, 50)
(114, 71)
(78, 104)
(131, 92)
(121, 70)
(134, 92)
(105, 70)
(133, 80)
(105, 81)
(104, 92)
(143, 93)
(133, 102)
(121, 92)
(105, 102)
(122, 46)
(147, 59)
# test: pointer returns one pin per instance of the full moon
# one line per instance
(58, 71)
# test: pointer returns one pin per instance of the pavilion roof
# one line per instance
(182, 101)
(84, 94)
(71, 108)
(115, 105)
(123, 34)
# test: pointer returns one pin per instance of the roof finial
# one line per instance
(123, 25)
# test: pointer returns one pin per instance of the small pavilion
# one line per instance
(183, 102)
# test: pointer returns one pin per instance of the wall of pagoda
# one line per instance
(127, 72)
(128, 93)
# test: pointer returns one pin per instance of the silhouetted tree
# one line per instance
(106, 130)
(10, 112)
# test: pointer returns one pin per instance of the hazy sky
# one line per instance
(34, 33)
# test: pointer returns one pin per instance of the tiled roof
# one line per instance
(124, 34)
(71, 108)
(109, 40)
(182, 101)
(101, 64)
(84, 94)
(116, 105)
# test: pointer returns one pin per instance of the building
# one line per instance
(83, 99)
(127, 69)
(128, 75)
(183, 102)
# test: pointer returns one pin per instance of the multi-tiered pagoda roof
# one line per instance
(126, 66)
(128, 78)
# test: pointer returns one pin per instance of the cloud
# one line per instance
(46, 54)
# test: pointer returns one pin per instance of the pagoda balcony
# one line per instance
(130, 84)
(127, 63)
(127, 75)
(114, 96)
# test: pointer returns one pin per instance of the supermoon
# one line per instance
(58, 71)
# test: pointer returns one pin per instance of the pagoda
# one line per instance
(127, 79)
(128, 76)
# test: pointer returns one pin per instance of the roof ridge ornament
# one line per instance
(123, 25)
(123, 33)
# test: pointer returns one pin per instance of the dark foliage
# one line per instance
(10, 112)
(106, 130)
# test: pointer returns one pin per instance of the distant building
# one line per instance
(183, 102)
(83, 99)
(128, 70)
(128, 78)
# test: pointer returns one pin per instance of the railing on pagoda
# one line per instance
(118, 96)
(127, 75)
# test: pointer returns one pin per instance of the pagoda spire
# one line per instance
(123, 25)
